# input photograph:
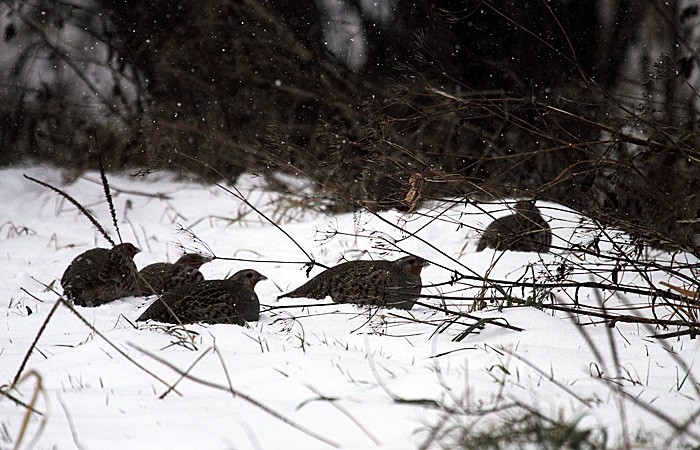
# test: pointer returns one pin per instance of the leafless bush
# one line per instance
(482, 101)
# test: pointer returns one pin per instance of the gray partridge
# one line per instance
(393, 284)
(524, 231)
(162, 277)
(101, 275)
(232, 300)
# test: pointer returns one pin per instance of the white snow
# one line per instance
(359, 379)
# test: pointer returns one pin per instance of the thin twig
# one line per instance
(4, 391)
(36, 340)
(247, 398)
(80, 207)
(492, 321)
(182, 377)
(111, 344)
(236, 193)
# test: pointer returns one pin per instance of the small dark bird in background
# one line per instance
(232, 300)
(392, 284)
(101, 275)
(162, 277)
(524, 231)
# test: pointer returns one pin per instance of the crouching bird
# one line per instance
(232, 300)
(524, 231)
(392, 284)
(162, 277)
(101, 275)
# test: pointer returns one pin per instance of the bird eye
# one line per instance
(249, 275)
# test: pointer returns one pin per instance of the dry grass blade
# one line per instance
(242, 198)
(548, 377)
(108, 196)
(4, 392)
(691, 295)
(223, 365)
(413, 196)
(71, 424)
(385, 387)
(38, 390)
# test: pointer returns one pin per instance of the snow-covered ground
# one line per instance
(356, 378)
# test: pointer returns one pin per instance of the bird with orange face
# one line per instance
(392, 284)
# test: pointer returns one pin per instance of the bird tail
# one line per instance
(292, 294)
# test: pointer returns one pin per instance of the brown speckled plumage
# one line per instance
(162, 277)
(232, 300)
(524, 231)
(393, 284)
(101, 275)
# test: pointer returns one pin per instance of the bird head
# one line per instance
(248, 277)
(524, 206)
(414, 264)
(193, 260)
(127, 249)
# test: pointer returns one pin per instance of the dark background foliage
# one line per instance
(592, 104)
